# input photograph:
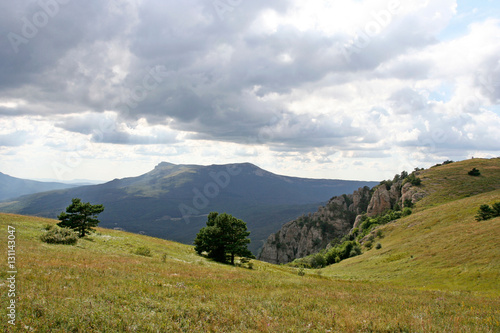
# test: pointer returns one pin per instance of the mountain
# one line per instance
(309, 234)
(436, 270)
(172, 201)
(11, 187)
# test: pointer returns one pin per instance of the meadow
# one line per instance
(437, 271)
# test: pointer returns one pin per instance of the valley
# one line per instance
(437, 271)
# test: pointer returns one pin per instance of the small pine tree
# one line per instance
(496, 209)
(474, 172)
(81, 217)
(485, 212)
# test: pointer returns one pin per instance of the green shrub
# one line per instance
(407, 211)
(486, 212)
(496, 209)
(408, 203)
(60, 236)
(301, 271)
(413, 179)
(378, 246)
(245, 261)
(143, 251)
(331, 256)
(356, 251)
(474, 172)
(318, 261)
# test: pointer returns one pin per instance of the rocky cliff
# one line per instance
(312, 233)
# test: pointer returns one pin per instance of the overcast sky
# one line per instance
(350, 89)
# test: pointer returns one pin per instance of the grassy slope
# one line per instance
(441, 246)
(451, 182)
(99, 285)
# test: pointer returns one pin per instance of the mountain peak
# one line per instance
(164, 164)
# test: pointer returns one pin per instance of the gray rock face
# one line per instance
(380, 202)
(311, 233)
(412, 193)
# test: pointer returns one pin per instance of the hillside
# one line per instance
(172, 201)
(99, 285)
(440, 245)
(12, 187)
(440, 184)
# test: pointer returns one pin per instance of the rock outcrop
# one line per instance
(411, 193)
(380, 201)
(311, 233)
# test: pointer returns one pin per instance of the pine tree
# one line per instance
(224, 238)
(80, 216)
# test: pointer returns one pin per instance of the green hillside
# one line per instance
(99, 285)
(451, 182)
(437, 271)
(441, 245)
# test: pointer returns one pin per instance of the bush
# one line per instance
(414, 180)
(60, 236)
(301, 271)
(318, 261)
(486, 212)
(474, 172)
(356, 251)
(378, 246)
(143, 251)
(245, 261)
(496, 209)
(407, 211)
(408, 203)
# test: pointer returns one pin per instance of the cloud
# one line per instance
(14, 139)
(284, 77)
(106, 129)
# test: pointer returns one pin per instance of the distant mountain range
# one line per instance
(172, 201)
(11, 187)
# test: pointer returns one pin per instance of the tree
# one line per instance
(80, 216)
(485, 212)
(474, 172)
(223, 238)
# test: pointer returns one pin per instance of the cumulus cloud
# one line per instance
(288, 76)
(14, 139)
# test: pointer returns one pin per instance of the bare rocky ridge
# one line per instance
(312, 233)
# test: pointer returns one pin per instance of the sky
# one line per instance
(339, 89)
